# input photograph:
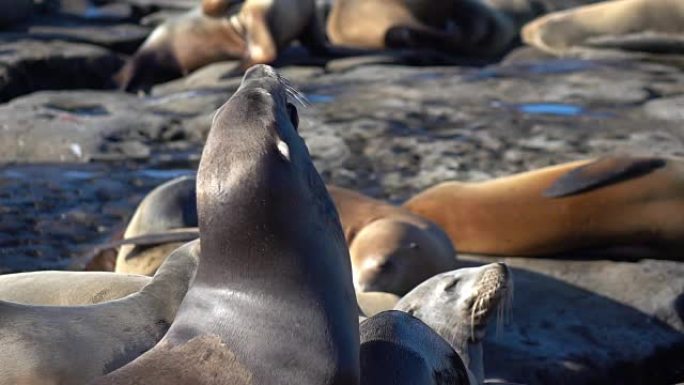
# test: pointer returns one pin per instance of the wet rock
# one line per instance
(591, 322)
(31, 65)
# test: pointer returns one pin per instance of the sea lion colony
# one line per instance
(281, 256)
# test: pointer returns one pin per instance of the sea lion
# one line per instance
(74, 344)
(641, 25)
(392, 249)
(15, 11)
(253, 32)
(587, 204)
(399, 349)
(68, 288)
(458, 305)
(169, 207)
(374, 302)
(273, 300)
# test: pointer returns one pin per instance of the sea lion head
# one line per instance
(459, 303)
(394, 256)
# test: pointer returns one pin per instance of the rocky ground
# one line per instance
(78, 156)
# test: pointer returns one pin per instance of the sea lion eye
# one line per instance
(294, 116)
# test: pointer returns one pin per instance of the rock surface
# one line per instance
(389, 131)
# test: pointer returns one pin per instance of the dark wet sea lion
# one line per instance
(588, 204)
(655, 26)
(392, 250)
(399, 349)
(458, 305)
(74, 344)
(273, 300)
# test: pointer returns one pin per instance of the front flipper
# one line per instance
(600, 173)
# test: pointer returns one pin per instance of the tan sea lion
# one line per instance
(170, 207)
(587, 204)
(273, 300)
(253, 32)
(466, 27)
(458, 305)
(392, 249)
(643, 25)
(374, 302)
(74, 344)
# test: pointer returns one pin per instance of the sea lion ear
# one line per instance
(600, 173)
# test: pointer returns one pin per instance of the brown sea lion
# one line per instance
(588, 204)
(273, 300)
(74, 344)
(467, 27)
(253, 32)
(644, 25)
(392, 250)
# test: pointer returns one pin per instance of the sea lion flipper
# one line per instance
(600, 173)
(183, 235)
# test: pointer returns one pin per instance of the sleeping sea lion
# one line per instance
(587, 204)
(273, 300)
(74, 344)
(655, 26)
(392, 249)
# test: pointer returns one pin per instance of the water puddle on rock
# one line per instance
(548, 67)
(552, 109)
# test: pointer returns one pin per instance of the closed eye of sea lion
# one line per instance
(613, 202)
(458, 306)
(272, 301)
(74, 344)
(646, 25)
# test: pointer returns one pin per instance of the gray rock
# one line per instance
(31, 65)
(591, 322)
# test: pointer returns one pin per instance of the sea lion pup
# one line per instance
(465, 27)
(169, 207)
(458, 306)
(392, 250)
(587, 204)
(253, 32)
(399, 349)
(74, 344)
(643, 25)
(273, 300)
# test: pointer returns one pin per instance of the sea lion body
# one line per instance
(392, 250)
(374, 302)
(15, 11)
(168, 207)
(74, 344)
(642, 25)
(252, 32)
(273, 300)
(68, 288)
(511, 215)
(399, 349)
(458, 305)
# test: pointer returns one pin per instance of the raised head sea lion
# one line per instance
(273, 300)
(253, 32)
(392, 250)
(399, 349)
(170, 207)
(588, 204)
(74, 344)
(458, 306)
(641, 25)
